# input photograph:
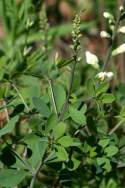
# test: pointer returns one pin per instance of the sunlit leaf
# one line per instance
(11, 177)
(77, 116)
(9, 127)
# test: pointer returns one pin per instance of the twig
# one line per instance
(6, 111)
(26, 164)
(88, 131)
(123, 3)
(35, 175)
(76, 47)
(109, 53)
(53, 97)
(64, 108)
(21, 97)
(116, 127)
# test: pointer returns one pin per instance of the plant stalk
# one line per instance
(116, 127)
(53, 97)
(109, 53)
(6, 110)
(64, 108)
(32, 183)
(21, 97)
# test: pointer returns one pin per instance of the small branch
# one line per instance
(35, 175)
(6, 111)
(123, 3)
(116, 127)
(64, 108)
(53, 97)
(76, 48)
(88, 131)
(26, 164)
(109, 53)
(21, 97)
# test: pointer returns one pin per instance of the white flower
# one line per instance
(119, 50)
(108, 15)
(92, 59)
(102, 75)
(121, 8)
(110, 75)
(112, 27)
(121, 29)
(104, 34)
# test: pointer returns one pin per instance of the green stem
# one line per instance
(32, 183)
(65, 106)
(5, 19)
(21, 97)
(26, 164)
(116, 127)
(6, 111)
(109, 53)
(53, 97)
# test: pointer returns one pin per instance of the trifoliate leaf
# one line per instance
(77, 116)
(111, 150)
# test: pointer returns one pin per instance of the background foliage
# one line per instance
(62, 85)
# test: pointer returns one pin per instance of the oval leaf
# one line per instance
(77, 116)
(11, 178)
(41, 106)
(9, 127)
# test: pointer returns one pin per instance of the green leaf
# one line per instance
(3, 90)
(107, 98)
(63, 63)
(90, 87)
(107, 166)
(59, 130)
(103, 142)
(66, 141)
(11, 178)
(60, 96)
(101, 160)
(9, 127)
(77, 116)
(111, 150)
(76, 142)
(76, 164)
(92, 152)
(122, 113)
(38, 147)
(102, 127)
(83, 109)
(41, 106)
(112, 184)
(102, 88)
(105, 162)
(51, 123)
(61, 153)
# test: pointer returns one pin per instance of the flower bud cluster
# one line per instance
(44, 27)
(76, 34)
